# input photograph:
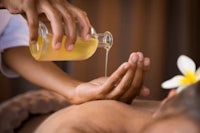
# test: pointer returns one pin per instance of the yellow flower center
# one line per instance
(189, 78)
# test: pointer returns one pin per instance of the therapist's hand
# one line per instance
(123, 85)
(62, 16)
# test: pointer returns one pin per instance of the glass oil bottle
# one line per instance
(82, 50)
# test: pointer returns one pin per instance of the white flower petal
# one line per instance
(185, 64)
(172, 83)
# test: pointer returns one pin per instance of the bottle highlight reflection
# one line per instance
(82, 50)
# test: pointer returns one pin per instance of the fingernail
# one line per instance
(140, 56)
(146, 62)
(126, 65)
(134, 58)
(33, 41)
(57, 46)
(87, 37)
(70, 47)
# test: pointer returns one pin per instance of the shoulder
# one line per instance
(95, 116)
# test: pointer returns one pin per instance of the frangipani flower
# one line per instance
(190, 74)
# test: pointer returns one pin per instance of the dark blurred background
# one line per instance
(161, 29)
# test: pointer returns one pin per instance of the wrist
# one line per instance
(67, 89)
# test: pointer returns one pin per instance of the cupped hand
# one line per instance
(62, 16)
(123, 85)
(133, 79)
(98, 88)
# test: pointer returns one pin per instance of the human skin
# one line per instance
(60, 14)
(176, 114)
(116, 117)
(180, 123)
(103, 116)
(124, 84)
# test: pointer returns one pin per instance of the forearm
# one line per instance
(2, 4)
(44, 74)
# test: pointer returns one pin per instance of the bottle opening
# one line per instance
(108, 38)
(105, 39)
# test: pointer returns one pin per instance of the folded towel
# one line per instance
(19, 109)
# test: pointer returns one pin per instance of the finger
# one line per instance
(146, 64)
(137, 81)
(69, 26)
(133, 58)
(146, 61)
(82, 18)
(144, 91)
(111, 82)
(55, 19)
(43, 18)
(32, 19)
(126, 81)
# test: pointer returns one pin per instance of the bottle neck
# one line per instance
(105, 39)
